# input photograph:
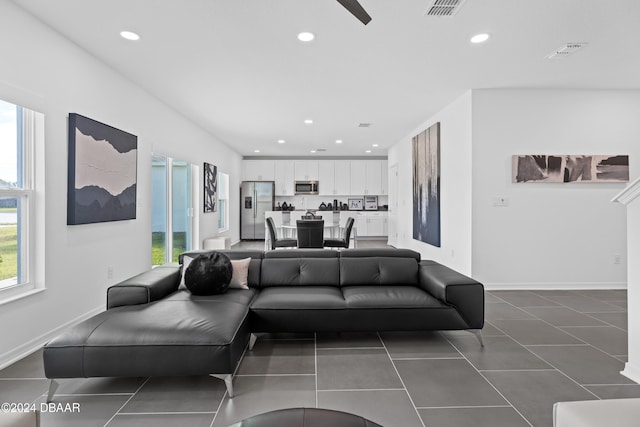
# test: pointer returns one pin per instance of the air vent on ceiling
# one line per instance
(444, 7)
(364, 125)
(319, 150)
(566, 50)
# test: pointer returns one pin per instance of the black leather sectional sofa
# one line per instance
(152, 328)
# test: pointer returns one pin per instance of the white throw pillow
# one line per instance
(240, 273)
(186, 260)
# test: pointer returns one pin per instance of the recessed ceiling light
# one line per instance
(306, 36)
(338, 141)
(374, 145)
(308, 122)
(256, 151)
(367, 151)
(313, 151)
(129, 35)
(281, 141)
(480, 38)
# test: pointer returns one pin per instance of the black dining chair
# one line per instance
(342, 242)
(310, 233)
(278, 243)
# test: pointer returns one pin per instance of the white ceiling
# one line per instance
(236, 68)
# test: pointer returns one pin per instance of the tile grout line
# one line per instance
(128, 400)
(546, 361)
(464, 407)
(315, 357)
(485, 378)
(167, 413)
(384, 345)
(233, 376)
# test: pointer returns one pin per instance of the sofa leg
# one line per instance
(53, 386)
(228, 380)
(478, 334)
(252, 341)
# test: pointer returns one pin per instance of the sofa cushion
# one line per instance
(164, 338)
(378, 271)
(388, 297)
(379, 252)
(302, 253)
(299, 298)
(300, 271)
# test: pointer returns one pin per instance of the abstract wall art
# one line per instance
(102, 170)
(210, 188)
(426, 186)
(570, 168)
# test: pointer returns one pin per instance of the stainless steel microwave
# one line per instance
(306, 187)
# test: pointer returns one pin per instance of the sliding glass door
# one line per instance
(172, 208)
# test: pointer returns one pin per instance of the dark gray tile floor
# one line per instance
(541, 347)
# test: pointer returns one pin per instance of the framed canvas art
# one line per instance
(426, 185)
(102, 168)
(570, 168)
(210, 188)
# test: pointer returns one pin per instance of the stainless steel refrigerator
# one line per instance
(256, 198)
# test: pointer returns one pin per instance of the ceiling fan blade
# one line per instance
(356, 10)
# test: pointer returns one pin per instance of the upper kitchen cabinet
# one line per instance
(258, 170)
(306, 170)
(366, 177)
(342, 177)
(284, 177)
(333, 177)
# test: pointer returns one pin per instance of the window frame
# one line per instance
(223, 203)
(30, 137)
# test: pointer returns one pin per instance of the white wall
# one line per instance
(455, 187)
(551, 235)
(45, 72)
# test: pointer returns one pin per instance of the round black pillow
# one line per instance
(208, 274)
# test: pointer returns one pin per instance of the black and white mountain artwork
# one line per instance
(102, 172)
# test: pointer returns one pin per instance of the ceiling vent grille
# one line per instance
(364, 125)
(444, 7)
(320, 150)
(566, 50)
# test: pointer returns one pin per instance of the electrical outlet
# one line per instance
(617, 259)
(110, 272)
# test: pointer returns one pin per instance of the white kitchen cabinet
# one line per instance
(333, 177)
(360, 223)
(342, 177)
(358, 178)
(374, 177)
(258, 170)
(375, 223)
(368, 224)
(326, 178)
(306, 170)
(366, 177)
(284, 177)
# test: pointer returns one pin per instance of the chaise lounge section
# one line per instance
(153, 328)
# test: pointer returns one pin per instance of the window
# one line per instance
(18, 130)
(172, 208)
(223, 202)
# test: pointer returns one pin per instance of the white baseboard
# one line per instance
(632, 372)
(541, 286)
(36, 344)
